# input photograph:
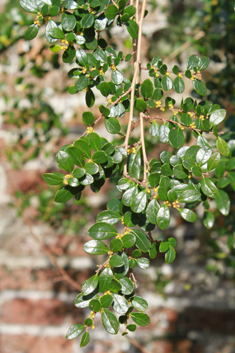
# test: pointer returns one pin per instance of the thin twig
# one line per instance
(143, 146)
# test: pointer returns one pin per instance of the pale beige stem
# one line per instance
(143, 146)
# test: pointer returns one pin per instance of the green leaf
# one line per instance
(111, 12)
(164, 133)
(88, 118)
(83, 302)
(166, 83)
(90, 285)
(188, 215)
(68, 21)
(172, 242)
(143, 263)
(127, 285)
(152, 210)
(176, 137)
(208, 219)
(154, 129)
(117, 77)
(140, 105)
(179, 172)
(189, 195)
(139, 202)
(153, 251)
(170, 255)
(105, 279)
(116, 261)
(132, 28)
(82, 83)
(120, 304)
(85, 339)
(95, 247)
(163, 217)
(142, 241)
(87, 179)
(63, 195)
(134, 164)
(189, 158)
(53, 178)
(140, 319)
(29, 5)
(112, 125)
(106, 300)
(213, 161)
(100, 231)
(128, 240)
(203, 155)
(222, 146)
(91, 168)
(179, 85)
(154, 179)
(139, 303)
(76, 155)
(94, 140)
(223, 202)
(110, 322)
(164, 246)
(87, 20)
(65, 161)
(31, 32)
(110, 217)
(204, 63)
(217, 117)
(74, 331)
(129, 195)
(209, 188)
(116, 245)
(193, 62)
(199, 87)
(99, 157)
(57, 33)
(147, 88)
(95, 305)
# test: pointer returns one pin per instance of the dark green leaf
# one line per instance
(65, 161)
(120, 304)
(139, 303)
(76, 155)
(140, 105)
(166, 83)
(99, 157)
(105, 279)
(128, 240)
(106, 300)
(176, 137)
(209, 188)
(116, 261)
(63, 195)
(95, 247)
(110, 322)
(163, 217)
(68, 21)
(189, 195)
(222, 146)
(178, 85)
(170, 255)
(142, 241)
(57, 33)
(88, 118)
(139, 202)
(90, 285)
(143, 263)
(199, 87)
(213, 161)
(116, 245)
(140, 319)
(127, 285)
(223, 202)
(132, 28)
(112, 125)
(111, 12)
(85, 339)
(147, 88)
(53, 178)
(110, 217)
(95, 305)
(217, 117)
(102, 231)
(87, 20)
(152, 210)
(208, 219)
(31, 32)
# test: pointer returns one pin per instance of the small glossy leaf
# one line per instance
(63, 195)
(74, 331)
(188, 215)
(120, 304)
(110, 322)
(208, 219)
(106, 300)
(176, 137)
(85, 339)
(95, 247)
(179, 85)
(95, 305)
(199, 87)
(101, 230)
(217, 117)
(170, 255)
(90, 285)
(105, 279)
(166, 83)
(142, 241)
(112, 125)
(164, 246)
(127, 285)
(189, 196)
(68, 21)
(147, 88)
(110, 217)
(140, 319)
(152, 210)
(111, 12)
(213, 161)
(116, 245)
(138, 202)
(222, 146)
(163, 217)
(128, 240)
(116, 261)
(209, 188)
(132, 28)
(53, 178)
(31, 32)
(139, 303)
(223, 202)
(143, 263)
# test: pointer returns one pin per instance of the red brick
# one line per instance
(39, 312)
(28, 344)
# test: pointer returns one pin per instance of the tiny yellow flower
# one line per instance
(167, 74)
(193, 126)
(192, 78)
(113, 68)
(180, 75)
(201, 117)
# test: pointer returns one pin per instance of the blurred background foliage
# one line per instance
(36, 130)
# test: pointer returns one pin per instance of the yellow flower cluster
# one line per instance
(176, 205)
(167, 203)
(89, 130)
